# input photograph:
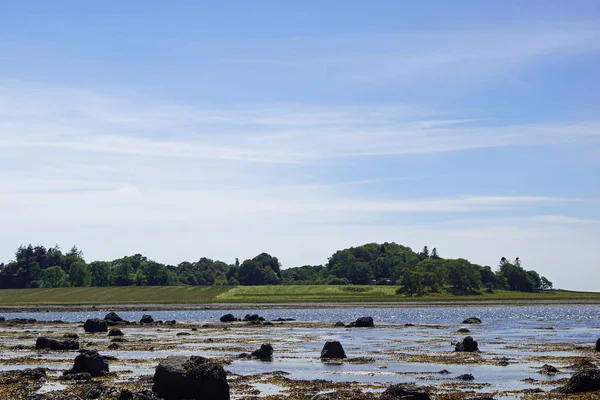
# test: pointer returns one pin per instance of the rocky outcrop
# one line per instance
(467, 345)
(193, 378)
(472, 320)
(146, 319)
(44, 343)
(582, 381)
(91, 362)
(113, 319)
(332, 349)
(115, 332)
(405, 392)
(265, 352)
(95, 325)
(548, 370)
(253, 318)
(364, 322)
(229, 318)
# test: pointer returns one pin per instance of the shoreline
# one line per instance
(283, 306)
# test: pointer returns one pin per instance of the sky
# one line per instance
(225, 129)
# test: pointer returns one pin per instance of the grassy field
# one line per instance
(253, 294)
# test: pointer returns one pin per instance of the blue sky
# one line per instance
(224, 129)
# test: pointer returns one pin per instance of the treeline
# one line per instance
(383, 264)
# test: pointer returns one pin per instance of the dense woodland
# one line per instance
(381, 264)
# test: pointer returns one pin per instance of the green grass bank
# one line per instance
(258, 294)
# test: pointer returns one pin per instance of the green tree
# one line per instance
(80, 274)
(54, 277)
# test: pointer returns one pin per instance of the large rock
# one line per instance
(333, 349)
(472, 320)
(91, 362)
(193, 378)
(115, 332)
(114, 317)
(405, 392)
(467, 345)
(364, 322)
(52, 344)
(228, 318)
(598, 345)
(585, 380)
(146, 319)
(95, 325)
(264, 353)
(253, 318)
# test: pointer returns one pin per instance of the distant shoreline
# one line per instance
(288, 306)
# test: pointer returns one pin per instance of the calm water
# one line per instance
(568, 316)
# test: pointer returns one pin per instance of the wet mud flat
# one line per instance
(512, 363)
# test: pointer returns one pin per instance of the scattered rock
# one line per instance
(265, 352)
(115, 332)
(339, 323)
(89, 361)
(95, 325)
(585, 380)
(267, 323)
(79, 377)
(333, 349)
(598, 345)
(71, 336)
(405, 392)
(229, 318)
(503, 362)
(146, 319)
(113, 346)
(444, 372)
(409, 325)
(472, 320)
(322, 396)
(97, 391)
(118, 340)
(467, 345)
(466, 377)
(114, 317)
(183, 334)
(171, 322)
(33, 374)
(194, 378)
(463, 330)
(22, 321)
(253, 318)
(2, 319)
(43, 343)
(548, 370)
(364, 322)
(284, 319)
(127, 394)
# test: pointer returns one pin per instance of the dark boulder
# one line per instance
(97, 391)
(114, 317)
(2, 319)
(43, 343)
(583, 381)
(465, 377)
(333, 349)
(253, 318)
(193, 378)
(95, 325)
(79, 377)
(71, 336)
(405, 392)
(598, 345)
(89, 361)
(504, 362)
(339, 323)
(472, 320)
(113, 346)
(228, 318)
(115, 332)
(548, 370)
(284, 319)
(364, 322)
(33, 374)
(146, 319)
(264, 353)
(22, 321)
(467, 345)
(170, 322)
(463, 330)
